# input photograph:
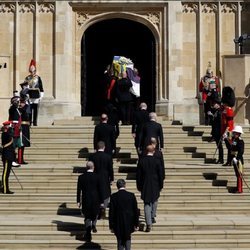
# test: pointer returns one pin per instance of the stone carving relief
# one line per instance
(209, 8)
(245, 7)
(46, 8)
(190, 7)
(7, 8)
(27, 8)
(153, 18)
(83, 17)
(228, 7)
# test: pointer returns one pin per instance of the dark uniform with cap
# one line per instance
(8, 156)
(25, 127)
(236, 147)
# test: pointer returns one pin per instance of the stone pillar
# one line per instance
(236, 74)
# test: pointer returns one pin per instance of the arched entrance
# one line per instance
(117, 36)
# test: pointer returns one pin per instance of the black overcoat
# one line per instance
(140, 117)
(123, 214)
(89, 188)
(106, 133)
(149, 178)
(104, 168)
(151, 129)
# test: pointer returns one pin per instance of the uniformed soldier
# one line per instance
(36, 91)
(236, 145)
(227, 116)
(8, 156)
(15, 118)
(25, 127)
(209, 88)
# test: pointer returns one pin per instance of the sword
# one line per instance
(242, 176)
(17, 178)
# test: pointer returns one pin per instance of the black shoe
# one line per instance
(8, 192)
(153, 220)
(219, 162)
(24, 163)
(226, 164)
(87, 237)
(148, 229)
(94, 230)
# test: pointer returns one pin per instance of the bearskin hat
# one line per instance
(228, 96)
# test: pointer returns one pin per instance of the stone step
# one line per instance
(164, 204)
(206, 210)
(168, 194)
(138, 244)
(139, 235)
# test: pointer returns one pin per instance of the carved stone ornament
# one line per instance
(209, 8)
(245, 7)
(154, 18)
(228, 7)
(7, 8)
(190, 7)
(82, 18)
(46, 8)
(27, 8)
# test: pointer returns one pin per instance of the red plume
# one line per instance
(32, 66)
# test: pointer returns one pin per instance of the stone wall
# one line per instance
(189, 34)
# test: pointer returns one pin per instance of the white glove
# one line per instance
(224, 136)
(210, 113)
(235, 161)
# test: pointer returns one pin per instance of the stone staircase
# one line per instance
(197, 208)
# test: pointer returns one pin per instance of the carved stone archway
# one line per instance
(154, 18)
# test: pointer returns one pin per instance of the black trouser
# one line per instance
(220, 148)
(33, 113)
(125, 112)
(7, 164)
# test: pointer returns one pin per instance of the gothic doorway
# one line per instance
(105, 39)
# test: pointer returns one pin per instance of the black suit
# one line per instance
(123, 215)
(140, 117)
(104, 168)
(106, 133)
(151, 129)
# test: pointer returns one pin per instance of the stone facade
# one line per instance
(188, 35)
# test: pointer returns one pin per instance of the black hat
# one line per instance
(228, 96)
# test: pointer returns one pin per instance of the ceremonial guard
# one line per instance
(15, 118)
(8, 156)
(236, 147)
(227, 116)
(25, 127)
(216, 128)
(36, 91)
(209, 88)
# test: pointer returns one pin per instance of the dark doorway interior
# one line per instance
(100, 43)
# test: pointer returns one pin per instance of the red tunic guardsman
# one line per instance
(227, 117)
(209, 88)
